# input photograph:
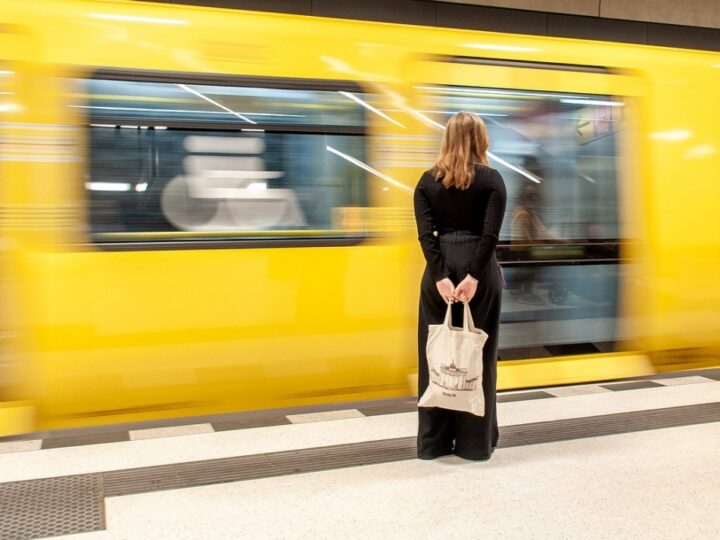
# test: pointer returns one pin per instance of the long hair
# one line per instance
(464, 145)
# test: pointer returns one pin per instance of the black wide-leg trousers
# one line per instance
(442, 431)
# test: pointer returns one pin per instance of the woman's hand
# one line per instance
(446, 289)
(465, 291)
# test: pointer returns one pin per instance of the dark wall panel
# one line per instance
(398, 11)
(492, 19)
(451, 15)
(595, 28)
(689, 37)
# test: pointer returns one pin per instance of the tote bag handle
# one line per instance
(468, 323)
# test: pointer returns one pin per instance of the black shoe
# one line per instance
(476, 457)
(433, 455)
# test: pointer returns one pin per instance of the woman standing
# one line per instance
(459, 209)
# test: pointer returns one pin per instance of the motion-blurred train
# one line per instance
(207, 210)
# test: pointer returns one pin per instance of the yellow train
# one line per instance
(207, 210)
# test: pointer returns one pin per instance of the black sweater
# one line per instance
(479, 209)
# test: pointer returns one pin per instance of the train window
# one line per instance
(559, 245)
(557, 154)
(185, 162)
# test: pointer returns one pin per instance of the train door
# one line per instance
(558, 134)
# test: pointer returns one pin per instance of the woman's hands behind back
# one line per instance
(464, 292)
(446, 288)
(467, 288)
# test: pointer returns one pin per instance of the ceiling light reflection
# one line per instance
(135, 18)
(673, 135)
(210, 100)
(593, 102)
(108, 186)
(425, 118)
(369, 169)
(370, 108)
(336, 64)
(527, 174)
(701, 151)
(10, 107)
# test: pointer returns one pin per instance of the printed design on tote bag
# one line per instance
(451, 377)
(455, 365)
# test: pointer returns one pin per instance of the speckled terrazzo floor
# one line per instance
(648, 485)
(655, 483)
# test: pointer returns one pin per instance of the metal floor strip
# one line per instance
(234, 469)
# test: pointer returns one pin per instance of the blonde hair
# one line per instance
(464, 145)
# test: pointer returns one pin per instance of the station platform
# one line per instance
(610, 460)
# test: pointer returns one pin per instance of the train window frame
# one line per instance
(173, 240)
(541, 276)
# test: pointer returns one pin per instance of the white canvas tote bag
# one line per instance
(455, 363)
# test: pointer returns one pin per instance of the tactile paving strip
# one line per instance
(608, 424)
(234, 469)
(51, 507)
